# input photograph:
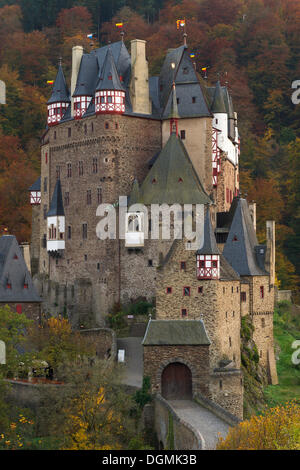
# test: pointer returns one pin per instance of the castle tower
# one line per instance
(59, 100)
(110, 94)
(248, 258)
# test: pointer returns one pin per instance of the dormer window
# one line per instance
(8, 285)
(153, 181)
(25, 285)
(180, 180)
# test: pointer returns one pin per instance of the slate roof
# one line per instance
(218, 105)
(209, 244)
(172, 178)
(240, 247)
(87, 76)
(13, 269)
(36, 186)
(56, 206)
(60, 92)
(109, 79)
(176, 332)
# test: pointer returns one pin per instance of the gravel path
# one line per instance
(209, 425)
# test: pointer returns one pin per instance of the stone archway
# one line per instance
(176, 382)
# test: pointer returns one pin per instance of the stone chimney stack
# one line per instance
(77, 52)
(270, 254)
(139, 86)
(252, 210)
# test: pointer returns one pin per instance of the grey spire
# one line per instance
(218, 105)
(109, 79)
(174, 108)
(56, 206)
(60, 92)
(209, 244)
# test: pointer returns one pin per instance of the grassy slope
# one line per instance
(286, 331)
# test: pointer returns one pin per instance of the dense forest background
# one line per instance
(252, 45)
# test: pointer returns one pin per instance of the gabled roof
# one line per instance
(109, 79)
(13, 269)
(239, 249)
(176, 332)
(36, 186)
(218, 105)
(56, 206)
(172, 178)
(209, 240)
(60, 92)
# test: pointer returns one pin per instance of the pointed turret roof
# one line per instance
(218, 105)
(241, 245)
(87, 76)
(109, 79)
(13, 269)
(56, 206)
(172, 178)
(174, 108)
(36, 186)
(209, 243)
(60, 92)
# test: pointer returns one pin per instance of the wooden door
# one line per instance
(176, 382)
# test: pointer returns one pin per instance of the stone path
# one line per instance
(209, 425)
(133, 374)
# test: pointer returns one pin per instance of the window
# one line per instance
(69, 170)
(57, 172)
(116, 125)
(263, 322)
(150, 262)
(261, 290)
(85, 257)
(69, 131)
(89, 197)
(109, 99)
(184, 312)
(85, 129)
(232, 290)
(54, 135)
(80, 168)
(92, 127)
(46, 158)
(200, 290)
(186, 291)
(67, 199)
(98, 266)
(45, 212)
(95, 165)
(25, 285)
(182, 264)
(99, 195)
(84, 231)
(221, 384)
(182, 135)
(214, 264)
(45, 185)
(230, 344)
(106, 125)
(177, 100)
(169, 290)
(69, 232)
(243, 296)
(194, 99)
(8, 285)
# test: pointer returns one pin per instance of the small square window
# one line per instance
(184, 312)
(169, 290)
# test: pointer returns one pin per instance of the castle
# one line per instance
(159, 140)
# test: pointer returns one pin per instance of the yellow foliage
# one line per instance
(277, 429)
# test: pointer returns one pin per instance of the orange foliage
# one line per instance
(277, 429)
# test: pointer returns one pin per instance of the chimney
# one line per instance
(139, 85)
(25, 249)
(252, 210)
(77, 52)
(270, 255)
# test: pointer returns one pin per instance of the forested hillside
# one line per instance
(252, 45)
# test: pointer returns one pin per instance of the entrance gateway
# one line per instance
(176, 382)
